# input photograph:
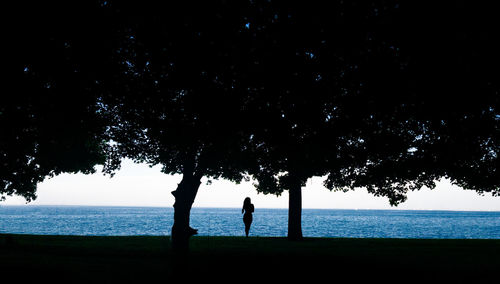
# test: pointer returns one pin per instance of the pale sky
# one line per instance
(140, 185)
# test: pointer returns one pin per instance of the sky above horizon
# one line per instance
(140, 185)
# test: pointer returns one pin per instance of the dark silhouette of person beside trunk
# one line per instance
(247, 211)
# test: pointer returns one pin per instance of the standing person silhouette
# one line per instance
(248, 209)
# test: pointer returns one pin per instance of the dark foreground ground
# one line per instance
(72, 259)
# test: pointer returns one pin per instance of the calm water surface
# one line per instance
(116, 221)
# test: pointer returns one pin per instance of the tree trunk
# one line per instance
(295, 211)
(184, 197)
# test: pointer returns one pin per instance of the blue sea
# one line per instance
(126, 221)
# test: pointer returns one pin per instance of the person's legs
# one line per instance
(247, 219)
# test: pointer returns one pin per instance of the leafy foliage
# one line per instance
(384, 95)
(49, 118)
(371, 96)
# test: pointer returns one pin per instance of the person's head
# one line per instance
(247, 201)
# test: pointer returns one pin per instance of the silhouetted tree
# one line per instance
(283, 92)
(178, 101)
(310, 118)
(49, 116)
(311, 91)
(372, 95)
(447, 122)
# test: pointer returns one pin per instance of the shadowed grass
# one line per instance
(138, 258)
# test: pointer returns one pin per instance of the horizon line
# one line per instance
(228, 207)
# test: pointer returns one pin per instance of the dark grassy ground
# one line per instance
(73, 259)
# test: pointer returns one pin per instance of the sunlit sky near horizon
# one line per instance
(140, 185)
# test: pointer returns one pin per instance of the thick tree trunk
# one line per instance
(184, 197)
(295, 211)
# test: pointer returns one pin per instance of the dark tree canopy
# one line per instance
(384, 95)
(448, 122)
(178, 100)
(49, 119)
